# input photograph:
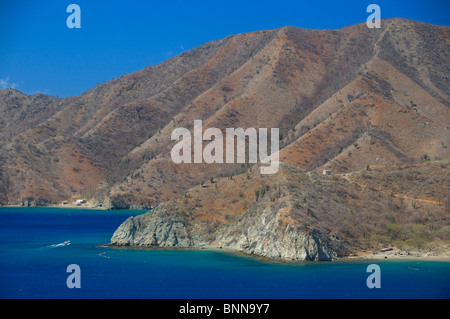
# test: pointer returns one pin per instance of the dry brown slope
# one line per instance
(291, 78)
(296, 215)
(382, 117)
(275, 87)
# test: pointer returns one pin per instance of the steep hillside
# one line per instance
(300, 215)
(370, 105)
(20, 112)
(337, 103)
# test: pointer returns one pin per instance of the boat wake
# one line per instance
(66, 243)
(103, 254)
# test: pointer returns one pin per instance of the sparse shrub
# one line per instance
(395, 231)
(444, 233)
(310, 212)
(226, 88)
(262, 191)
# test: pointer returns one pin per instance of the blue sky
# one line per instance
(39, 53)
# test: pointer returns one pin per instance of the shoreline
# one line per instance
(378, 257)
(394, 253)
(68, 206)
(383, 257)
(390, 254)
(56, 206)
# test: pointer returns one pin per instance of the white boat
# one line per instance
(66, 243)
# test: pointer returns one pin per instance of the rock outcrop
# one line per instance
(295, 215)
(262, 233)
(265, 238)
(154, 229)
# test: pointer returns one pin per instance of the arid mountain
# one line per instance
(297, 214)
(371, 105)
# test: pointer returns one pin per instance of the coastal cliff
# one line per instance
(274, 225)
(262, 232)
(154, 229)
(294, 215)
(159, 229)
(367, 107)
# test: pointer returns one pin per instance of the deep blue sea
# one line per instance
(32, 265)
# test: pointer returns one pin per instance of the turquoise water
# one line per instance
(33, 266)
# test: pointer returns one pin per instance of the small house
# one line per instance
(79, 201)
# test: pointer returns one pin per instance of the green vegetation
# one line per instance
(416, 236)
(260, 192)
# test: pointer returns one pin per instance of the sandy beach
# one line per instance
(397, 254)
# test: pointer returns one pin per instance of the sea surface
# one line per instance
(33, 264)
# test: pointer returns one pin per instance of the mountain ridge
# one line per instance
(352, 101)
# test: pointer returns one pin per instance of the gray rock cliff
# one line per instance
(258, 232)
